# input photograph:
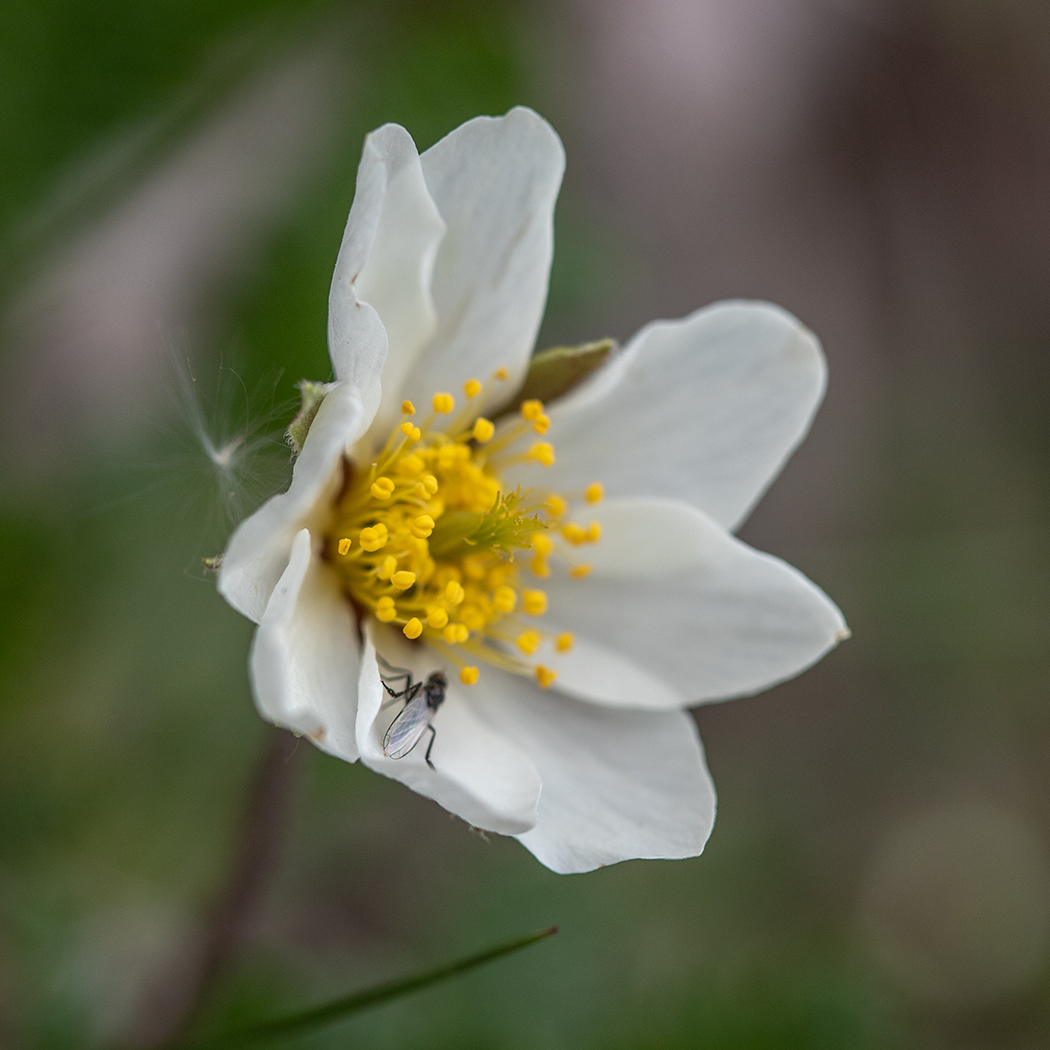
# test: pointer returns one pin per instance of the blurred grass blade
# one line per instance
(337, 1009)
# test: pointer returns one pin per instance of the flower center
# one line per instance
(429, 539)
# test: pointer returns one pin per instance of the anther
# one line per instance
(545, 676)
(412, 629)
(423, 526)
(444, 403)
(564, 642)
(574, 533)
(578, 572)
(472, 388)
(468, 675)
(483, 430)
(529, 642)
(539, 566)
(541, 424)
(455, 633)
(410, 465)
(385, 609)
(454, 592)
(504, 599)
(542, 544)
(407, 408)
(542, 452)
(501, 375)
(410, 431)
(344, 545)
(382, 488)
(373, 538)
(388, 568)
(595, 492)
(437, 617)
(555, 505)
(534, 602)
(431, 483)
(594, 532)
(403, 579)
(531, 409)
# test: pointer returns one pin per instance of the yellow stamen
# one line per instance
(483, 430)
(382, 488)
(403, 579)
(534, 602)
(574, 533)
(344, 545)
(410, 466)
(386, 610)
(454, 592)
(412, 629)
(437, 617)
(444, 403)
(410, 431)
(504, 599)
(556, 505)
(564, 642)
(529, 642)
(374, 538)
(431, 484)
(542, 544)
(531, 410)
(539, 566)
(387, 569)
(594, 532)
(541, 424)
(407, 408)
(595, 492)
(542, 452)
(545, 676)
(468, 675)
(501, 375)
(578, 572)
(472, 388)
(455, 633)
(423, 526)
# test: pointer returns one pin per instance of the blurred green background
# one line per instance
(173, 187)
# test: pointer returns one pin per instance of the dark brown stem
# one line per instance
(262, 829)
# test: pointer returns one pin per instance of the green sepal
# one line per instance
(556, 371)
(312, 395)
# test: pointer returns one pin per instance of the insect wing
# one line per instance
(407, 728)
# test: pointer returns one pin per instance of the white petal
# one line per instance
(258, 550)
(706, 409)
(379, 308)
(304, 660)
(495, 181)
(677, 611)
(478, 774)
(616, 784)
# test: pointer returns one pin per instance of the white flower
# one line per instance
(570, 667)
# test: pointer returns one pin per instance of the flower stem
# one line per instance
(262, 827)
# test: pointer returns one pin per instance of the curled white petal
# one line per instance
(258, 550)
(479, 774)
(616, 784)
(706, 409)
(304, 660)
(380, 311)
(677, 611)
(495, 181)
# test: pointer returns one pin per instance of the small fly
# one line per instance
(422, 699)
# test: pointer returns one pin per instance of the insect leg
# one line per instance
(430, 746)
